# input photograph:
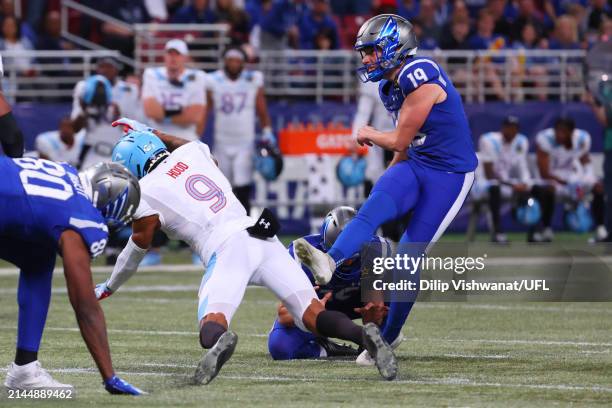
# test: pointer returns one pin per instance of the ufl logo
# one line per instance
(146, 148)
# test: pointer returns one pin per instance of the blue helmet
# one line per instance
(391, 38)
(529, 213)
(268, 161)
(351, 171)
(139, 152)
(98, 91)
(579, 219)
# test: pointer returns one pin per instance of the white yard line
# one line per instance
(460, 382)
(426, 340)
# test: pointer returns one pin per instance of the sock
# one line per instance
(210, 333)
(331, 323)
(494, 206)
(23, 357)
(598, 208)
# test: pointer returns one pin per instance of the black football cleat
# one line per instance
(380, 351)
(213, 360)
(336, 350)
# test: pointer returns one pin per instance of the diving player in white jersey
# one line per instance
(185, 194)
(371, 111)
(173, 96)
(236, 95)
(505, 174)
(564, 162)
(93, 112)
(61, 145)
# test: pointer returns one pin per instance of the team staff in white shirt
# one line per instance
(565, 164)
(174, 96)
(63, 145)
(236, 95)
(93, 116)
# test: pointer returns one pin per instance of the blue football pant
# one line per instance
(36, 263)
(290, 343)
(433, 196)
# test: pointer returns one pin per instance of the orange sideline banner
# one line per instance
(317, 141)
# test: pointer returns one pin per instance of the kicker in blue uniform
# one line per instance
(287, 342)
(48, 208)
(433, 167)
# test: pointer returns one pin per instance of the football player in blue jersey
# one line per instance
(48, 208)
(342, 293)
(433, 167)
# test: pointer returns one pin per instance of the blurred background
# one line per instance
(524, 67)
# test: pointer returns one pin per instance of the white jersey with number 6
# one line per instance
(234, 102)
(193, 199)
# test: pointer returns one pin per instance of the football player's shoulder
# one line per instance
(253, 77)
(545, 139)
(581, 136)
(521, 143)
(88, 222)
(491, 139)
(417, 72)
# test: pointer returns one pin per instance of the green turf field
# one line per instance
(456, 354)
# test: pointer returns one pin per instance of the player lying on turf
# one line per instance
(433, 167)
(342, 293)
(185, 194)
(48, 208)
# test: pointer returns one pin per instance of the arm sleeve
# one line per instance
(584, 142)
(417, 73)
(485, 149)
(197, 93)
(76, 100)
(149, 88)
(126, 265)
(543, 141)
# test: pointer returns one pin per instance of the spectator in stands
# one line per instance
(196, 12)
(529, 71)
(484, 38)
(26, 28)
(503, 23)
(409, 9)
(12, 40)
(565, 36)
(314, 21)
(430, 28)
(457, 40)
(527, 13)
(597, 11)
(273, 23)
(118, 37)
(238, 20)
(51, 37)
(61, 145)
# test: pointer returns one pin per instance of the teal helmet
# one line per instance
(140, 152)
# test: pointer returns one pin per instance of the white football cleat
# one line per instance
(320, 264)
(364, 359)
(31, 376)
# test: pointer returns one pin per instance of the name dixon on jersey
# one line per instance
(178, 169)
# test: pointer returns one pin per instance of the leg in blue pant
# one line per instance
(289, 343)
(434, 196)
(34, 292)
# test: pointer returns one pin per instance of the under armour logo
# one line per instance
(265, 224)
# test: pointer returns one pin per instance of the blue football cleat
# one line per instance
(152, 258)
(116, 385)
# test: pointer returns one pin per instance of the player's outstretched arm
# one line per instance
(412, 115)
(143, 230)
(87, 309)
